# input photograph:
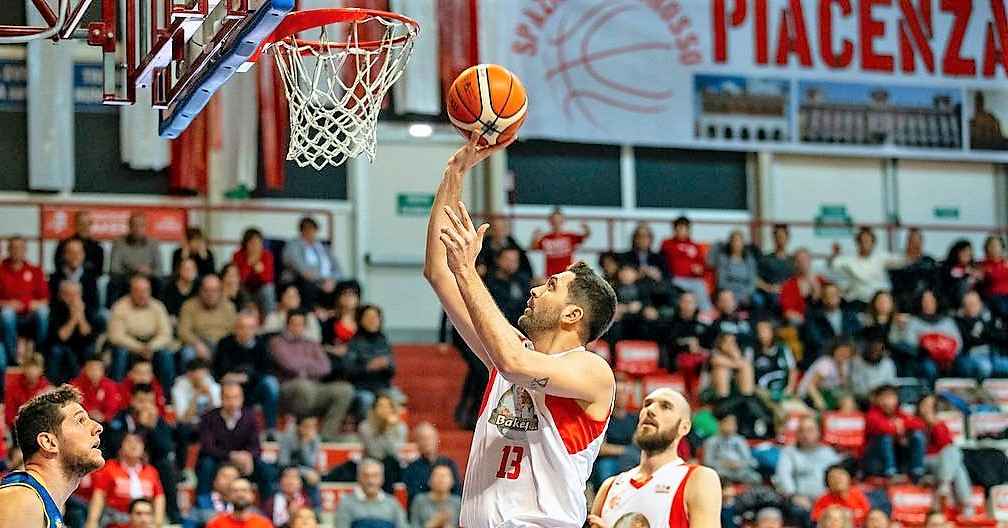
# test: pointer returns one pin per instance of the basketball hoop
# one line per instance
(335, 85)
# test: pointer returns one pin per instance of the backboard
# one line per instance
(180, 50)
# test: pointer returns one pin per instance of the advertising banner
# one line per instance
(111, 222)
(915, 78)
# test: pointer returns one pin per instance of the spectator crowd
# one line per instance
(192, 369)
(770, 346)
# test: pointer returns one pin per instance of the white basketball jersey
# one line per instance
(530, 458)
(658, 502)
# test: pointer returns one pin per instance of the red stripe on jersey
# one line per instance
(678, 515)
(576, 428)
(488, 390)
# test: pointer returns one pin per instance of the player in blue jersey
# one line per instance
(60, 443)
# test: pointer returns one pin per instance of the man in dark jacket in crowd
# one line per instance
(230, 433)
(243, 357)
(827, 323)
(984, 337)
(508, 286)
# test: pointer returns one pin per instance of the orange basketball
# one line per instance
(489, 99)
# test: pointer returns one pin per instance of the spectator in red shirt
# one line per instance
(142, 373)
(840, 493)
(341, 328)
(242, 514)
(102, 399)
(944, 459)
(24, 386)
(685, 262)
(892, 435)
(24, 296)
(122, 480)
(558, 246)
(995, 275)
(802, 289)
(255, 265)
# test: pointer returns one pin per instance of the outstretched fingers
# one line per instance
(455, 220)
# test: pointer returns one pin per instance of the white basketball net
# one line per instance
(335, 88)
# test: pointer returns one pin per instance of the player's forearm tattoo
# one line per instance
(539, 383)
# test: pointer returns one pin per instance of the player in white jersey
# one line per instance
(663, 490)
(548, 402)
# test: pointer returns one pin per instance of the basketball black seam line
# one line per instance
(458, 92)
(497, 117)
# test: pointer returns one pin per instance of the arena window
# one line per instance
(546, 171)
(696, 179)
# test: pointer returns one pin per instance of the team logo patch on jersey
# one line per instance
(515, 413)
(663, 488)
(632, 520)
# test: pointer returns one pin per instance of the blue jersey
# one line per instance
(23, 479)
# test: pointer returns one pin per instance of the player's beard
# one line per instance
(76, 464)
(657, 441)
(538, 322)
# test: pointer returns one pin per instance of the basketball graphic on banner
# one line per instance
(589, 49)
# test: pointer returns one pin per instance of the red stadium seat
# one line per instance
(637, 358)
(601, 348)
(663, 381)
(976, 514)
(910, 504)
(987, 423)
(788, 433)
(844, 431)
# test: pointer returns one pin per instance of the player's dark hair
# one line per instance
(42, 414)
(681, 221)
(141, 500)
(596, 297)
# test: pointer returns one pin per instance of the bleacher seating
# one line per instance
(999, 502)
(637, 358)
(844, 431)
(987, 423)
(910, 504)
(998, 389)
(961, 387)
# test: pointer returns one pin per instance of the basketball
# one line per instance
(490, 99)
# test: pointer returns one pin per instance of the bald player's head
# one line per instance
(664, 420)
